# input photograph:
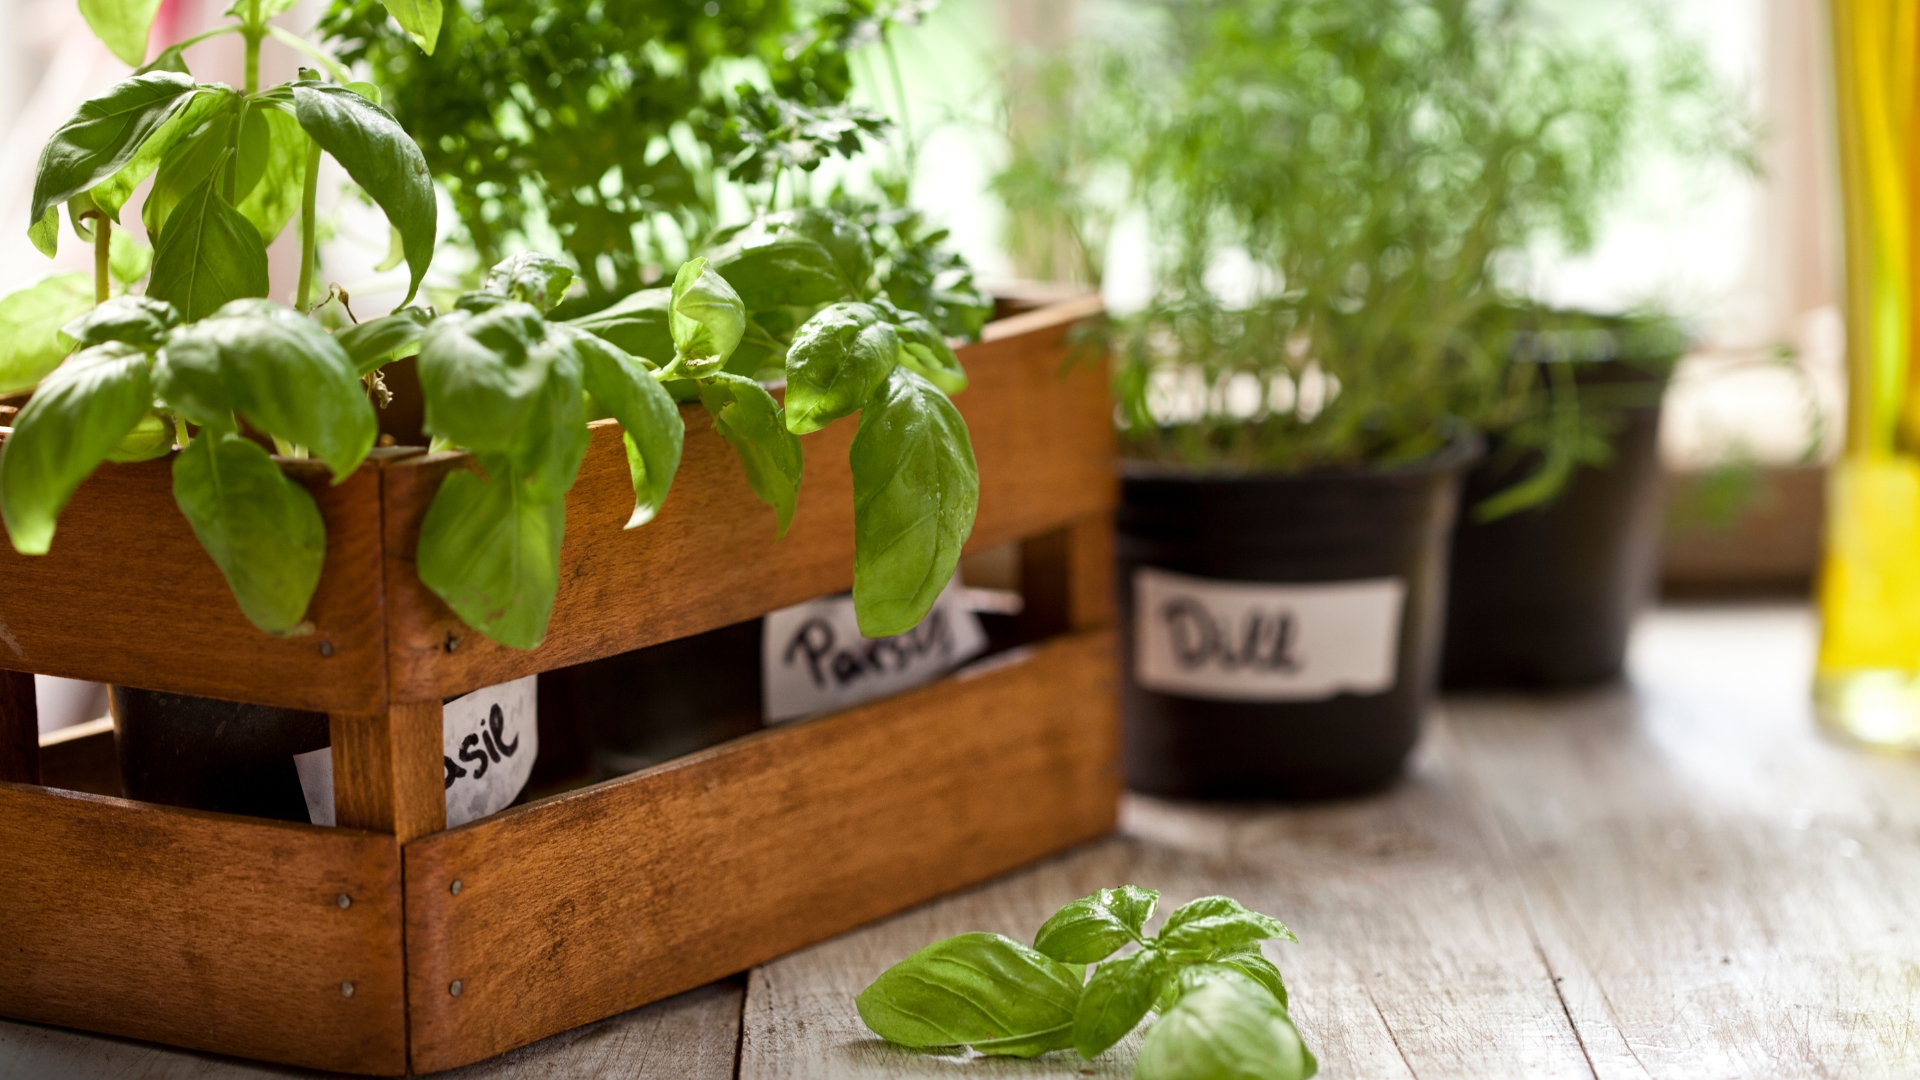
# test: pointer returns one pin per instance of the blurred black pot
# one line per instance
(1545, 597)
(207, 754)
(1200, 720)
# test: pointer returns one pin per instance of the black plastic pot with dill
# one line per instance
(207, 754)
(1544, 597)
(1281, 631)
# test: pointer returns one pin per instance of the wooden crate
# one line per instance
(340, 948)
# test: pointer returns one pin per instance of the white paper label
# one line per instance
(1260, 641)
(814, 660)
(490, 738)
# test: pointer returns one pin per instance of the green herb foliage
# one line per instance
(200, 362)
(619, 128)
(1222, 1005)
(799, 294)
(1376, 169)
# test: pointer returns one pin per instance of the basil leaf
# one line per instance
(136, 320)
(773, 264)
(925, 350)
(1254, 965)
(367, 142)
(277, 368)
(76, 418)
(419, 18)
(532, 278)
(171, 58)
(481, 374)
(1216, 925)
(654, 431)
(1093, 927)
(915, 490)
(111, 194)
(274, 200)
(845, 243)
(371, 343)
(1119, 994)
(262, 529)
(45, 233)
(837, 360)
(30, 327)
(122, 25)
(548, 448)
(1220, 1029)
(706, 317)
(128, 259)
(979, 990)
(208, 255)
(103, 135)
(490, 547)
(637, 324)
(187, 164)
(749, 419)
(150, 437)
(250, 154)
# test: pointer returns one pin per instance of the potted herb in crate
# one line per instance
(813, 279)
(1336, 193)
(198, 364)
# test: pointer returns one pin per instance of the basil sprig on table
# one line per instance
(795, 295)
(1222, 1004)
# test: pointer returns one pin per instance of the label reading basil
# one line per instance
(1265, 641)
(490, 739)
(813, 659)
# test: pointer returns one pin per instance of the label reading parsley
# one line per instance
(1265, 641)
(813, 659)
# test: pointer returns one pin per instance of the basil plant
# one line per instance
(503, 381)
(199, 361)
(794, 295)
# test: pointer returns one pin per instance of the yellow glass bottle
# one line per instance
(1867, 682)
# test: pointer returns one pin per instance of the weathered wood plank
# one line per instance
(1723, 892)
(689, 1037)
(730, 857)
(1414, 958)
(158, 614)
(1042, 438)
(219, 933)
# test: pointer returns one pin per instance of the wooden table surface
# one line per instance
(1673, 878)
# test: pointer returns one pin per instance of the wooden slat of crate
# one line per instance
(202, 930)
(1042, 434)
(595, 902)
(127, 595)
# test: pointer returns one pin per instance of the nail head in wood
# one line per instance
(455, 887)
(346, 989)
(454, 988)
(326, 648)
(453, 642)
(344, 901)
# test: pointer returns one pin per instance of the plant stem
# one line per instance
(102, 258)
(309, 190)
(900, 95)
(252, 31)
(180, 436)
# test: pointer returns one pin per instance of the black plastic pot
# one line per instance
(1334, 526)
(1545, 597)
(207, 754)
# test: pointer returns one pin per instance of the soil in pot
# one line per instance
(207, 754)
(1281, 631)
(1545, 597)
